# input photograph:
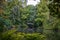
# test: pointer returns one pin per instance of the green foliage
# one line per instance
(6, 35)
(13, 35)
(34, 37)
(44, 15)
(54, 8)
(23, 36)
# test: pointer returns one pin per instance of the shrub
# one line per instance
(13, 35)
(23, 36)
(34, 37)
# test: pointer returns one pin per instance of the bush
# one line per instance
(12, 35)
(34, 37)
(23, 36)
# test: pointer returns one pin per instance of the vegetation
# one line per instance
(10, 35)
(21, 22)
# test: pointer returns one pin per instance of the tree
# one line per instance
(55, 13)
(54, 8)
(42, 14)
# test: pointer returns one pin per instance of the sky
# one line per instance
(32, 2)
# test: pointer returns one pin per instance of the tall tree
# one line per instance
(42, 14)
(55, 13)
